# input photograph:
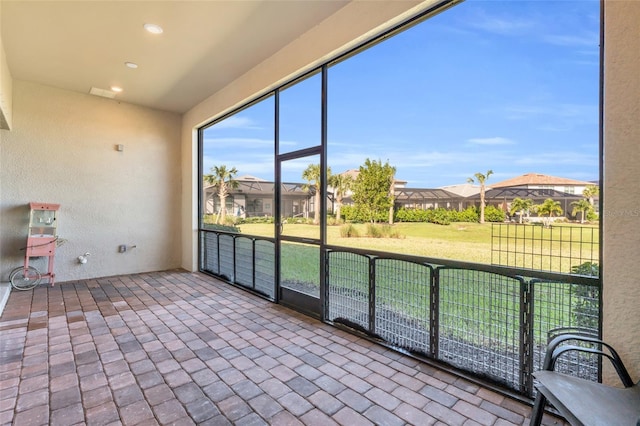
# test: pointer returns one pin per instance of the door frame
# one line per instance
(299, 301)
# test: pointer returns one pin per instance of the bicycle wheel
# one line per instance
(21, 281)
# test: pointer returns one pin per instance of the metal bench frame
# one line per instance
(580, 401)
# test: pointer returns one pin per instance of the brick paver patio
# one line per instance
(182, 348)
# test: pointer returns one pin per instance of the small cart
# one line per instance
(41, 242)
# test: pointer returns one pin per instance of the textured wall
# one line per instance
(621, 212)
(5, 88)
(61, 149)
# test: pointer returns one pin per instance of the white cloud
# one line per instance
(235, 122)
(571, 40)
(492, 141)
(556, 158)
(558, 117)
(501, 25)
(236, 142)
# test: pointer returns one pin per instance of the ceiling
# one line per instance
(77, 45)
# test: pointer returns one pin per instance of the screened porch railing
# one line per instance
(490, 321)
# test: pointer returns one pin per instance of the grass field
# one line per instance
(469, 242)
(476, 307)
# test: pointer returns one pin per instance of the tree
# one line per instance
(392, 197)
(481, 179)
(312, 175)
(583, 207)
(223, 179)
(549, 207)
(341, 184)
(372, 189)
(520, 205)
(590, 192)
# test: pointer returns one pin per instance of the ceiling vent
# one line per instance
(102, 92)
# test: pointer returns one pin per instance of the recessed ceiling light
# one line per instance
(153, 28)
(131, 65)
(116, 89)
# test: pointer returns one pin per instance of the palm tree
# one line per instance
(222, 178)
(341, 184)
(481, 179)
(521, 206)
(312, 175)
(583, 206)
(549, 207)
(589, 192)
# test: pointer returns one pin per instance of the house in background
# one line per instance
(463, 189)
(502, 198)
(540, 181)
(254, 196)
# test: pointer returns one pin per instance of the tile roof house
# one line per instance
(540, 181)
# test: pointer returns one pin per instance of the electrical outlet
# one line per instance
(122, 248)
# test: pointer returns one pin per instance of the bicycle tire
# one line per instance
(20, 281)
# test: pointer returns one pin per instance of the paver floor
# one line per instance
(180, 348)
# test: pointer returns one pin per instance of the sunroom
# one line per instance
(128, 171)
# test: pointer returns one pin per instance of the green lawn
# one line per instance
(484, 302)
(470, 242)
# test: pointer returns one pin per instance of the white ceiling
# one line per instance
(80, 44)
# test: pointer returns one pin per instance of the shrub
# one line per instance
(332, 221)
(350, 214)
(349, 231)
(226, 228)
(440, 216)
(209, 218)
(411, 215)
(374, 231)
(391, 232)
(354, 215)
(382, 231)
(470, 214)
(586, 300)
(493, 214)
(230, 220)
(257, 219)
(299, 220)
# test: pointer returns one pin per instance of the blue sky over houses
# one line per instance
(510, 86)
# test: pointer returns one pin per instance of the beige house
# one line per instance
(540, 181)
(125, 171)
(255, 197)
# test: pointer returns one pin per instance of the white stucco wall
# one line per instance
(61, 149)
(350, 26)
(5, 86)
(621, 213)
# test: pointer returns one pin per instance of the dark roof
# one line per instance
(534, 193)
(425, 193)
(265, 187)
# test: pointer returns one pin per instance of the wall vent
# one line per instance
(102, 92)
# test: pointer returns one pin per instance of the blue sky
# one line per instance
(510, 86)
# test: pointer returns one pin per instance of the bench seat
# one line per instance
(583, 402)
(580, 401)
